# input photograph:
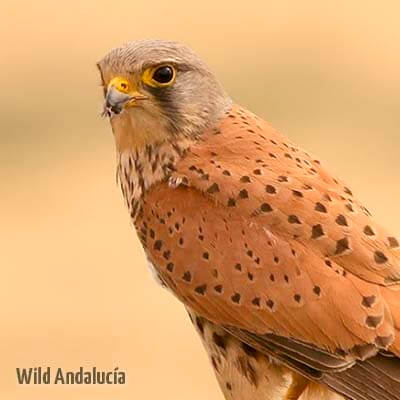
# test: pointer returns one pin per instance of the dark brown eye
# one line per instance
(163, 74)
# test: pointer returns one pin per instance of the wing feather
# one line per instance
(260, 239)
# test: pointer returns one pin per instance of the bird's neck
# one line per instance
(139, 168)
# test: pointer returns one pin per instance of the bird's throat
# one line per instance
(134, 131)
(141, 167)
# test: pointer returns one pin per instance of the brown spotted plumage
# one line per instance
(285, 274)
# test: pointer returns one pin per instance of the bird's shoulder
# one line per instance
(248, 167)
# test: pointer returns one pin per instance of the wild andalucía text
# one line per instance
(48, 376)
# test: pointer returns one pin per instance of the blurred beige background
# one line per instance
(74, 287)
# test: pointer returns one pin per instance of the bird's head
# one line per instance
(158, 90)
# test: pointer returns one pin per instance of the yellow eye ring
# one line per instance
(159, 76)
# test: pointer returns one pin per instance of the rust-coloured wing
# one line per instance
(256, 172)
(236, 272)
(254, 235)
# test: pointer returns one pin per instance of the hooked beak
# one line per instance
(120, 95)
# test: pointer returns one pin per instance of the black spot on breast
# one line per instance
(380, 257)
(368, 301)
(393, 242)
(187, 276)
(167, 254)
(218, 288)
(368, 231)
(293, 219)
(236, 298)
(170, 267)
(219, 340)
(270, 304)
(231, 202)
(341, 220)
(348, 191)
(256, 301)
(214, 188)
(158, 245)
(342, 246)
(373, 321)
(317, 290)
(317, 231)
(320, 208)
(265, 207)
(243, 194)
(201, 290)
(200, 325)
(297, 193)
(270, 189)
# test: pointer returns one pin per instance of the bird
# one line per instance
(291, 284)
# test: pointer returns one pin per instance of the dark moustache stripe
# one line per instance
(166, 100)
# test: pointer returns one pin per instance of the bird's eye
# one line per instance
(160, 76)
(163, 74)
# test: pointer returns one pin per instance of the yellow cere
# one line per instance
(121, 84)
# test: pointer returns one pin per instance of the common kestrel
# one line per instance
(292, 286)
